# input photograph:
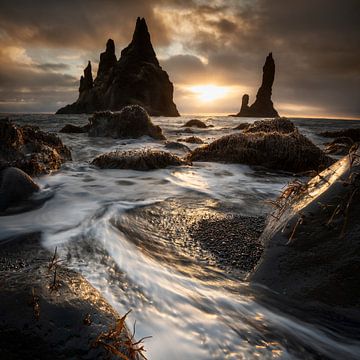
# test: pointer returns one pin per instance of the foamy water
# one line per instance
(192, 310)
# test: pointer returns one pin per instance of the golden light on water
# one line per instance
(209, 92)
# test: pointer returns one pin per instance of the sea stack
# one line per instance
(263, 106)
(135, 79)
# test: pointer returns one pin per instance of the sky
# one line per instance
(212, 50)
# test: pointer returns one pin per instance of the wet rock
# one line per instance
(242, 126)
(15, 187)
(263, 106)
(42, 314)
(352, 133)
(148, 159)
(192, 140)
(195, 123)
(131, 122)
(174, 145)
(312, 240)
(30, 149)
(74, 129)
(280, 125)
(136, 78)
(339, 146)
(275, 150)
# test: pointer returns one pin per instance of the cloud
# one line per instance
(315, 45)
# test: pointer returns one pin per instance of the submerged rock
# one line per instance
(136, 78)
(30, 149)
(50, 312)
(131, 122)
(195, 123)
(192, 140)
(74, 129)
(148, 159)
(275, 150)
(15, 187)
(263, 106)
(242, 126)
(312, 240)
(352, 133)
(174, 145)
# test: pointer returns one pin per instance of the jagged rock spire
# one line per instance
(140, 48)
(107, 59)
(86, 81)
(263, 106)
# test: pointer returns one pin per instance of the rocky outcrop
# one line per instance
(148, 159)
(339, 146)
(312, 240)
(131, 122)
(289, 151)
(263, 106)
(30, 149)
(136, 78)
(50, 312)
(15, 187)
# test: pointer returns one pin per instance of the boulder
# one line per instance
(15, 187)
(174, 145)
(195, 123)
(131, 122)
(147, 159)
(280, 125)
(275, 150)
(28, 148)
(242, 126)
(136, 78)
(312, 239)
(263, 106)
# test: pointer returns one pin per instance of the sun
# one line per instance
(206, 93)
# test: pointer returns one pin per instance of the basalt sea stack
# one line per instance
(263, 106)
(136, 78)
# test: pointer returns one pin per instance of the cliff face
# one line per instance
(136, 78)
(263, 106)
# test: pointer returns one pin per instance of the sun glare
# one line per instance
(207, 93)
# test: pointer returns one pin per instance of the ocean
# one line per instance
(190, 307)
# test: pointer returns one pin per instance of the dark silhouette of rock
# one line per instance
(352, 133)
(263, 106)
(312, 240)
(136, 78)
(275, 150)
(74, 129)
(195, 123)
(15, 186)
(148, 159)
(131, 122)
(30, 149)
(242, 126)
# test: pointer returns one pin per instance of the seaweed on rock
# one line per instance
(144, 159)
